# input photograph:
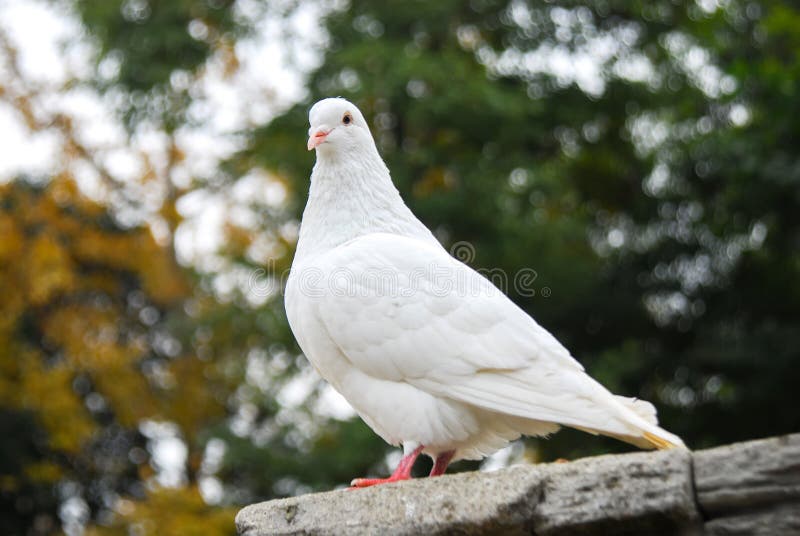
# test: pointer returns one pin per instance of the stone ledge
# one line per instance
(744, 488)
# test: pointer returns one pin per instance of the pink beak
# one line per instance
(317, 138)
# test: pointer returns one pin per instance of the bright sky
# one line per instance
(52, 49)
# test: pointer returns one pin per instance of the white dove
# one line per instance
(428, 352)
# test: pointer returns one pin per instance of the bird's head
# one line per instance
(337, 126)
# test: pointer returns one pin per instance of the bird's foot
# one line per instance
(367, 482)
(403, 472)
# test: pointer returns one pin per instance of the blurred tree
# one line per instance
(637, 155)
(86, 349)
(149, 42)
(109, 348)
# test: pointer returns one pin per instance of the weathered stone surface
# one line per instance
(750, 488)
(495, 503)
(641, 493)
(780, 520)
(745, 488)
(634, 493)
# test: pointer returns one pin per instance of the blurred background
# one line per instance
(638, 160)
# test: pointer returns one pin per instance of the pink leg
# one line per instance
(441, 463)
(403, 472)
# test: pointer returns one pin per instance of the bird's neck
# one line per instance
(351, 197)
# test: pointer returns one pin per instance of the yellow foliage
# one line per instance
(12, 304)
(237, 239)
(161, 277)
(169, 512)
(49, 270)
(11, 240)
(137, 252)
(194, 403)
(74, 288)
(65, 273)
(43, 472)
(169, 211)
(127, 391)
(48, 393)
(89, 336)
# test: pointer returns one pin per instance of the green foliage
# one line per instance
(691, 310)
(154, 39)
(146, 42)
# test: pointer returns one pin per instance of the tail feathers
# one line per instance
(658, 439)
(642, 408)
(663, 440)
(642, 424)
(651, 435)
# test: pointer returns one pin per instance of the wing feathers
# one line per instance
(466, 341)
(642, 408)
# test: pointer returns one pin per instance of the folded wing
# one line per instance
(404, 310)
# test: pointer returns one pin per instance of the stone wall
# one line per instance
(744, 488)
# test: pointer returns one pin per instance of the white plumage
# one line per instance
(429, 353)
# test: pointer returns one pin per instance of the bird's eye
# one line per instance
(347, 119)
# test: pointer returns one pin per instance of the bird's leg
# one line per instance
(441, 463)
(403, 472)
